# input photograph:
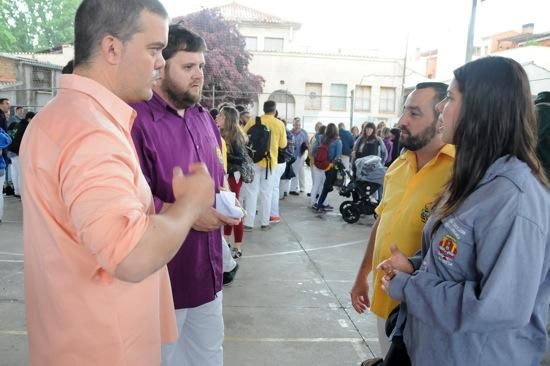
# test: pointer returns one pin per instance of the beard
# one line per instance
(421, 139)
(181, 99)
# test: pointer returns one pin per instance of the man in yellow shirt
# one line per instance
(262, 186)
(411, 184)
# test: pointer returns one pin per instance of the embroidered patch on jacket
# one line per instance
(425, 214)
(448, 249)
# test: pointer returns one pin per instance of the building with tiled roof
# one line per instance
(317, 85)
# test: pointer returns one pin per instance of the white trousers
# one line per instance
(345, 161)
(2, 179)
(298, 183)
(259, 189)
(14, 173)
(200, 341)
(318, 176)
(228, 261)
(277, 183)
(383, 339)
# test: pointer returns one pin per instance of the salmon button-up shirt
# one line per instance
(85, 207)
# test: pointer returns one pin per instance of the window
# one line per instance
(313, 96)
(362, 98)
(338, 93)
(42, 78)
(273, 44)
(251, 43)
(387, 100)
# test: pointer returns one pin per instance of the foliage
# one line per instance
(226, 69)
(32, 25)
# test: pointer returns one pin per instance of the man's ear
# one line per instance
(111, 49)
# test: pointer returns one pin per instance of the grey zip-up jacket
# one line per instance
(482, 293)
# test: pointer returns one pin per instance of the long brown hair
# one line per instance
(496, 119)
(231, 131)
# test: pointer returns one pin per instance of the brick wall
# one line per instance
(7, 69)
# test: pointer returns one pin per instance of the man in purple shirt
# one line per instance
(172, 129)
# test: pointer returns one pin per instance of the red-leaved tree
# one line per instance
(226, 69)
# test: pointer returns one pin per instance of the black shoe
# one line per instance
(294, 193)
(228, 277)
(372, 362)
(309, 194)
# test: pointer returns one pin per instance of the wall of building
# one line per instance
(289, 72)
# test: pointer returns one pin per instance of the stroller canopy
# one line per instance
(370, 169)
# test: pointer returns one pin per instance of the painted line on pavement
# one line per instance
(300, 340)
(14, 332)
(12, 253)
(11, 260)
(305, 250)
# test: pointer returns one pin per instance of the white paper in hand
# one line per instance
(225, 204)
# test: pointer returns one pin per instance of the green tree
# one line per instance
(226, 70)
(31, 25)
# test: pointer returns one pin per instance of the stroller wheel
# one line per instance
(343, 205)
(351, 214)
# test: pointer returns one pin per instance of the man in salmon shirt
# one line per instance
(97, 290)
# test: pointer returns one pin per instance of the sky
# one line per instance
(384, 25)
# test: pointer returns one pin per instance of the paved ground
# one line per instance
(289, 304)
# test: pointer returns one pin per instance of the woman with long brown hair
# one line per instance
(480, 294)
(228, 122)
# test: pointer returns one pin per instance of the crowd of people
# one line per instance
(124, 174)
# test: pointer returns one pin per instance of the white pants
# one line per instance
(14, 173)
(345, 161)
(262, 189)
(298, 183)
(228, 261)
(2, 179)
(277, 183)
(383, 339)
(318, 181)
(200, 341)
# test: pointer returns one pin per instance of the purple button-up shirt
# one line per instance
(164, 140)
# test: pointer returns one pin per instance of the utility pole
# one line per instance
(213, 96)
(471, 29)
(404, 67)
(352, 108)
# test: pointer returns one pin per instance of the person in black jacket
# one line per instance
(13, 152)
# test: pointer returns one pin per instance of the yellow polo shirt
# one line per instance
(404, 210)
(278, 137)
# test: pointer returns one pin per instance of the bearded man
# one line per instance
(411, 184)
(173, 129)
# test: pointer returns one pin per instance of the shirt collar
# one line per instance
(121, 112)
(160, 107)
(447, 149)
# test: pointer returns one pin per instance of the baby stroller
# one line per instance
(368, 177)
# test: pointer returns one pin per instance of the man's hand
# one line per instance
(212, 220)
(398, 261)
(360, 294)
(196, 188)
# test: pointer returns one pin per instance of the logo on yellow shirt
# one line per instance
(448, 249)
(425, 214)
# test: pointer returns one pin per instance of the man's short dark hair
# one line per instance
(439, 88)
(120, 18)
(182, 39)
(2, 100)
(18, 108)
(270, 106)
